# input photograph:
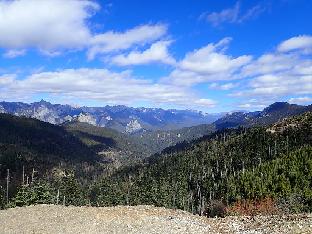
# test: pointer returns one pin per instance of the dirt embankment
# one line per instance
(140, 219)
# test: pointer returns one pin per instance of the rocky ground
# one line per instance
(140, 219)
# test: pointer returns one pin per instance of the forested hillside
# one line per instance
(42, 146)
(227, 166)
(159, 140)
(120, 149)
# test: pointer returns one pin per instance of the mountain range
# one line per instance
(121, 118)
(229, 145)
(145, 130)
(271, 114)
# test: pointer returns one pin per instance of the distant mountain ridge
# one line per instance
(153, 128)
(121, 118)
(159, 140)
(271, 114)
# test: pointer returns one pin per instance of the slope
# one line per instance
(47, 148)
(191, 177)
(159, 140)
(118, 148)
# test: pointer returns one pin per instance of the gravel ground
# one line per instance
(140, 219)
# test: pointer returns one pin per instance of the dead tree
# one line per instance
(57, 197)
(7, 185)
(33, 175)
(23, 179)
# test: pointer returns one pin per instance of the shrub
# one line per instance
(294, 203)
(38, 193)
(265, 206)
(215, 208)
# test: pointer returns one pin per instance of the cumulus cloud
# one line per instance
(211, 59)
(208, 64)
(226, 86)
(7, 79)
(301, 100)
(252, 106)
(116, 41)
(205, 102)
(303, 43)
(52, 26)
(47, 25)
(233, 15)
(270, 63)
(274, 86)
(279, 74)
(270, 77)
(158, 52)
(99, 85)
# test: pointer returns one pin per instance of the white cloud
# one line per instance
(279, 74)
(226, 86)
(100, 85)
(252, 106)
(226, 15)
(232, 15)
(6, 79)
(54, 26)
(208, 64)
(303, 43)
(274, 86)
(301, 100)
(14, 53)
(47, 24)
(211, 60)
(116, 41)
(158, 52)
(270, 63)
(205, 102)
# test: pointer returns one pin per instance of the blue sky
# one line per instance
(207, 55)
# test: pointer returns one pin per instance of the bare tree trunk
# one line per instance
(57, 197)
(128, 190)
(199, 194)
(287, 145)
(33, 175)
(7, 185)
(23, 179)
(203, 201)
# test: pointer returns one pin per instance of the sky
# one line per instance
(206, 55)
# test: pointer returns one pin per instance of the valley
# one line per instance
(184, 169)
(155, 116)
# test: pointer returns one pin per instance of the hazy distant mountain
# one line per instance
(120, 118)
(158, 140)
(271, 114)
